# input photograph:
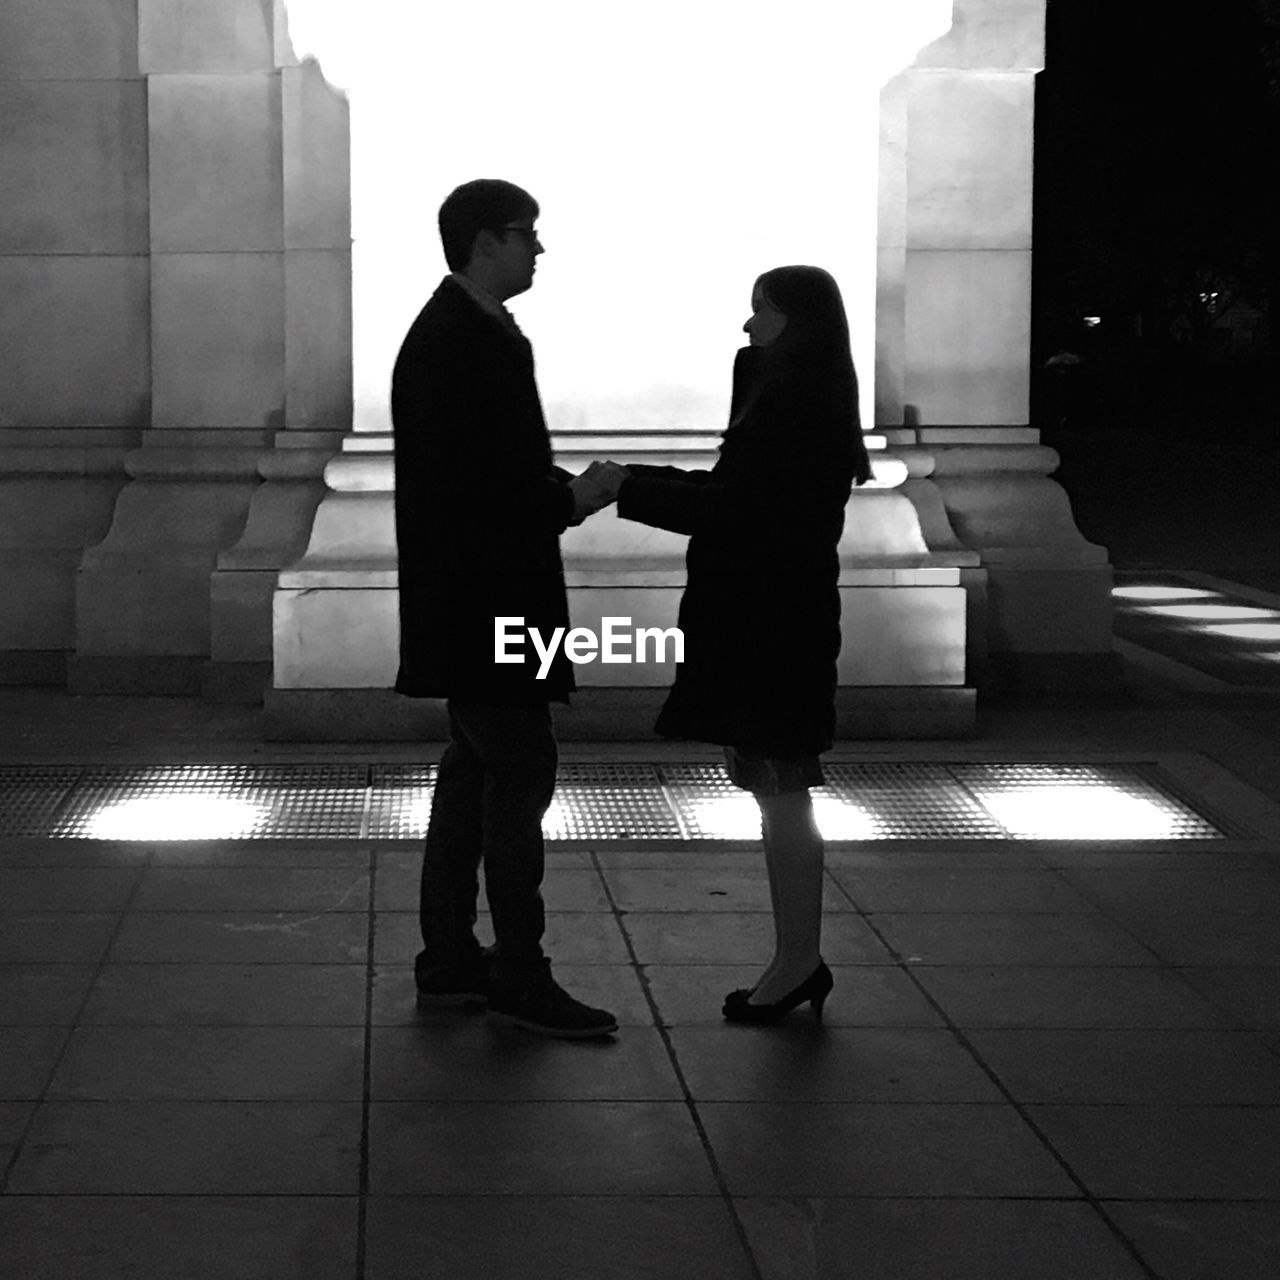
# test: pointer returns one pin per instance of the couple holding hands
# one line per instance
(760, 612)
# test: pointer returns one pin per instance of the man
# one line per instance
(479, 510)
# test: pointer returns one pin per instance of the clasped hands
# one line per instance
(596, 488)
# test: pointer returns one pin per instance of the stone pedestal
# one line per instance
(1049, 616)
(142, 594)
(902, 668)
(58, 490)
(281, 511)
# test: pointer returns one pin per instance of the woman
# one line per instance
(761, 609)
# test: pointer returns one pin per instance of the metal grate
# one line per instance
(871, 801)
(609, 813)
(400, 801)
(218, 801)
(697, 775)
(620, 775)
(1078, 801)
(30, 796)
(911, 801)
(602, 803)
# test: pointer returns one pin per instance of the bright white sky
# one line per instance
(677, 149)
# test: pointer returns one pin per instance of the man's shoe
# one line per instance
(452, 986)
(541, 1005)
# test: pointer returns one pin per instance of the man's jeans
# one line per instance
(494, 784)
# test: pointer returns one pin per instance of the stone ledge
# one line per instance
(339, 575)
(66, 461)
(160, 463)
(34, 667)
(596, 715)
(145, 675)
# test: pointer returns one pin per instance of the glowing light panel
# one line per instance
(1161, 593)
(839, 820)
(416, 814)
(664, 804)
(1065, 812)
(556, 820)
(1245, 630)
(176, 816)
(737, 817)
(677, 151)
(1225, 612)
(728, 817)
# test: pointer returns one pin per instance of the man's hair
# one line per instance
(483, 205)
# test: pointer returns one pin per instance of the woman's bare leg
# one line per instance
(793, 852)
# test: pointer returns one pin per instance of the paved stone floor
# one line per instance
(1042, 1060)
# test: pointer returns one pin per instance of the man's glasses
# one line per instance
(530, 236)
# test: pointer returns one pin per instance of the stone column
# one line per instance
(217, 345)
(955, 328)
(248, 246)
(74, 287)
(316, 169)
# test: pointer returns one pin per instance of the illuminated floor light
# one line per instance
(839, 820)
(733, 817)
(416, 814)
(1222, 612)
(737, 817)
(1161, 593)
(1079, 813)
(176, 817)
(1245, 630)
(665, 805)
(556, 821)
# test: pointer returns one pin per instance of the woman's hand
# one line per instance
(609, 475)
(596, 487)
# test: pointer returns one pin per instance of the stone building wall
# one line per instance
(175, 323)
(175, 315)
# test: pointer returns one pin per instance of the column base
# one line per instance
(137, 675)
(235, 683)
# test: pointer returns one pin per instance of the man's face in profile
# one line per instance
(516, 255)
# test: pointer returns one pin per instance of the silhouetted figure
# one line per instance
(479, 510)
(1062, 370)
(761, 608)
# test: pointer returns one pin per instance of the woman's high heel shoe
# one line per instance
(815, 989)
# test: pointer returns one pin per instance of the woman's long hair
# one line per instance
(815, 342)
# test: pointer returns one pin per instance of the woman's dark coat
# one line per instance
(479, 507)
(761, 608)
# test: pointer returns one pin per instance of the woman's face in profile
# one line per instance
(766, 322)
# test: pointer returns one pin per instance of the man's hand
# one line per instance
(596, 488)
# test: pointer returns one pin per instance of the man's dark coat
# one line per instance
(479, 507)
(761, 608)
